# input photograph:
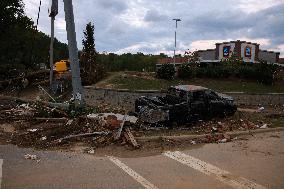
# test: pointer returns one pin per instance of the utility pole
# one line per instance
(51, 50)
(176, 20)
(72, 47)
(73, 53)
(53, 11)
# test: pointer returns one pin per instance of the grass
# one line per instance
(120, 81)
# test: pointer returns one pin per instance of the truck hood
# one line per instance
(226, 97)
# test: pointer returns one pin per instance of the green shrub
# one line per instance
(260, 72)
(186, 71)
(167, 71)
(247, 71)
(266, 73)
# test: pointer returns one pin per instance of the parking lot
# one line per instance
(250, 162)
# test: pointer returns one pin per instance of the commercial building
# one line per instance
(249, 52)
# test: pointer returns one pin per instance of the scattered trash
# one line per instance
(43, 138)
(91, 151)
(224, 140)
(30, 156)
(264, 126)
(261, 109)
(69, 122)
(32, 130)
(214, 129)
(193, 142)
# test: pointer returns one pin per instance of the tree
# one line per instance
(166, 71)
(17, 34)
(89, 51)
(91, 71)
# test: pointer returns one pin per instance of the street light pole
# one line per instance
(176, 20)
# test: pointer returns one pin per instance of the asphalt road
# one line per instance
(254, 163)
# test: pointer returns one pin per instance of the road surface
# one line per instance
(254, 163)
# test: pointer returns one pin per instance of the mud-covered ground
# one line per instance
(39, 126)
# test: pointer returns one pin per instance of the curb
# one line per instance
(232, 134)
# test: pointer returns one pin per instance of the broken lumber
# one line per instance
(83, 135)
(51, 119)
(130, 138)
(120, 129)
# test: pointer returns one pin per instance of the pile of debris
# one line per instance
(44, 125)
(217, 126)
(48, 125)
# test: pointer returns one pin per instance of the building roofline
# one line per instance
(237, 41)
(269, 51)
(206, 50)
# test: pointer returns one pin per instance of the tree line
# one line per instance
(23, 47)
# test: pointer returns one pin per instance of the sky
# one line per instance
(146, 26)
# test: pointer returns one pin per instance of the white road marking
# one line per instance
(132, 173)
(211, 170)
(1, 163)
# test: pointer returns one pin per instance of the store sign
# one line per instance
(248, 51)
(226, 51)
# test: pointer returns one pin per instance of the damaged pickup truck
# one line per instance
(184, 103)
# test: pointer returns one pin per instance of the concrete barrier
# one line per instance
(125, 98)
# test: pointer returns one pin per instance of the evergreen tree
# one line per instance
(91, 71)
(89, 51)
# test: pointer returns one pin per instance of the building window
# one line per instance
(248, 51)
(226, 51)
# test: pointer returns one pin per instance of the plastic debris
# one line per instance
(30, 156)
(91, 151)
(32, 130)
(193, 142)
(69, 122)
(264, 126)
(224, 140)
(261, 109)
(214, 129)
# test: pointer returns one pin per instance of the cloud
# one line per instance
(257, 5)
(147, 26)
(155, 16)
(113, 5)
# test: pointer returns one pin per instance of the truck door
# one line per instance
(198, 104)
(216, 105)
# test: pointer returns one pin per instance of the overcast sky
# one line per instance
(146, 25)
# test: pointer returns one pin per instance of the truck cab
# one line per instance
(182, 103)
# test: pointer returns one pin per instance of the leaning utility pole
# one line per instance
(72, 47)
(73, 53)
